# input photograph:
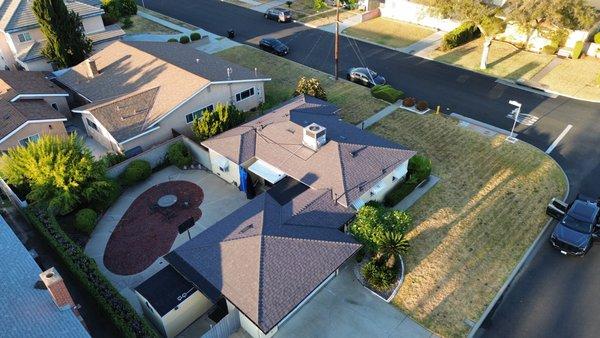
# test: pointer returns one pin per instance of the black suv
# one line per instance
(279, 14)
(274, 46)
(577, 227)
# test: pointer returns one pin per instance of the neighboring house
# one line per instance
(416, 13)
(33, 303)
(139, 94)
(21, 40)
(31, 106)
(269, 257)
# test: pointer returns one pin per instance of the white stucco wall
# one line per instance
(415, 13)
(232, 175)
(379, 190)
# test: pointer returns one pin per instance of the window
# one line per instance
(244, 95)
(24, 37)
(28, 139)
(91, 124)
(189, 118)
(55, 106)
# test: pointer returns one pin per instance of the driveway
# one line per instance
(344, 308)
(220, 199)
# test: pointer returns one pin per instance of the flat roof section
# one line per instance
(166, 289)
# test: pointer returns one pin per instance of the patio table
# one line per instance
(167, 201)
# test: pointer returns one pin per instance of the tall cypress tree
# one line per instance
(66, 43)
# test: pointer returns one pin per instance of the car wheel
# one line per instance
(266, 16)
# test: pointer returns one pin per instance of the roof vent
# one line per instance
(246, 228)
(314, 136)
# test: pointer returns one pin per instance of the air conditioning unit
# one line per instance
(224, 165)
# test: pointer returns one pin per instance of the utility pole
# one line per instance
(336, 55)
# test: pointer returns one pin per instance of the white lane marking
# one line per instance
(558, 139)
(524, 119)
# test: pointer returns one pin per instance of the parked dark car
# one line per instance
(577, 227)
(279, 14)
(274, 46)
(365, 77)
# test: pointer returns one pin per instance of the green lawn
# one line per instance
(145, 26)
(389, 32)
(472, 228)
(577, 78)
(355, 101)
(505, 60)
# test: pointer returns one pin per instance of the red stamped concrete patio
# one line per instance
(146, 231)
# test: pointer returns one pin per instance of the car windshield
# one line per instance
(373, 73)
(276, 43)
(577, 225)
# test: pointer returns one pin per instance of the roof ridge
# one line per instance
(260, 278)
(311, 239)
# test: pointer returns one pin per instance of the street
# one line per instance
(552, 295)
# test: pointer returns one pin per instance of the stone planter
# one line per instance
(386, 295)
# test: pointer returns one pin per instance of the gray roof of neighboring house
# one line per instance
(34, 52)
(350, 163)
(24, 310)
(16, 15)
(129, 70)
(266, 258)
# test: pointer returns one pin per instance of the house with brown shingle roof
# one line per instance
(269, 257)
(138, 94)
(22, 41)
(30, 106)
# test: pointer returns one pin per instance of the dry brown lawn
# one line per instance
(579, 78)
(145, 26)
(355, 101)
(388, 32)
(470, 230)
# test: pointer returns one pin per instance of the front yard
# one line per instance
(578, 78)
(472, 228)
(387, 32)
(355, 101)
(505, 60)
(144, 26)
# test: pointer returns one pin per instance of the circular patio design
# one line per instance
(147, 231)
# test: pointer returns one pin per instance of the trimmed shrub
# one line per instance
(85, 220)
(387, 93)
(184, 39)
(577, 50)
(597, 38)
(128, 7)
(378, 275)
(419, 168)
(195, 36)
(460, 35)
(408, 102)
(111, 304)
(549, 50)
(111, 159)
(136, 171)
(111, 191)
(422, 105)
(172, 40)
(126, 23)
(179, 155)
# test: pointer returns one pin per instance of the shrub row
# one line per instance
(421, 105)
(460, 35)
(419, 169)
(195, 36)
(387, 93)
(109, 301)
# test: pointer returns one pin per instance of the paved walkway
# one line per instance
(424, 47)
(379, 115)
(419, 192)
(546, 70)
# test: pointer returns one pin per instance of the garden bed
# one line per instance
(388, 294)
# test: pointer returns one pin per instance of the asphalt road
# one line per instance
(552, 295)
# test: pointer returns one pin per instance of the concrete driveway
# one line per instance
(344, 308)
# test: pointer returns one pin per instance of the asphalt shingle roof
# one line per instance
(24, 310)
(127, 69)
(350, 163)
(18, 14)
(265, 257)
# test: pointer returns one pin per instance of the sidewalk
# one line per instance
(379, 115)
(416, 195)
(263, 7)
(424, 47)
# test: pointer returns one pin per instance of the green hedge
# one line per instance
(179, 155)
(419, 168)
(577, 50)
(195, 36)
(85, 220)
(172, 40)
(184, 39)
(597, 37)
(136, 171)
(387, 93)
(460, 35)
(549, 50)
(114, 307)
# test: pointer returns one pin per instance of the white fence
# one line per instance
(11, 195)
(156, 155)
(225, 327)
(417, 14)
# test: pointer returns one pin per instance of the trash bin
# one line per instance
(231, 34)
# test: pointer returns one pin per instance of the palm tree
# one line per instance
(392, 245)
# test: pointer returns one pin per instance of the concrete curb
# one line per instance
(482, 124)
(519, 265)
